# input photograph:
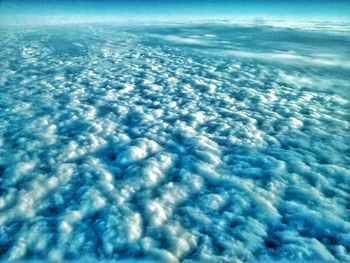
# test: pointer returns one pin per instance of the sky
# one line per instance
(176, 9)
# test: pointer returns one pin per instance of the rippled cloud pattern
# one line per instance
(216, 143)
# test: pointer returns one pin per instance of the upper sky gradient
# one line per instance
(179, 9)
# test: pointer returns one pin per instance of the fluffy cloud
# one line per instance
(120, 143)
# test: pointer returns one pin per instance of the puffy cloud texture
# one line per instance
(214, 142)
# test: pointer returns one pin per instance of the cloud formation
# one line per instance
(117, 144)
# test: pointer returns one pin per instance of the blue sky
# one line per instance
(302, 10)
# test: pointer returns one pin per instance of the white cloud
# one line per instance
(169, 151)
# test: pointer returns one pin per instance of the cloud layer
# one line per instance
(147, 143)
